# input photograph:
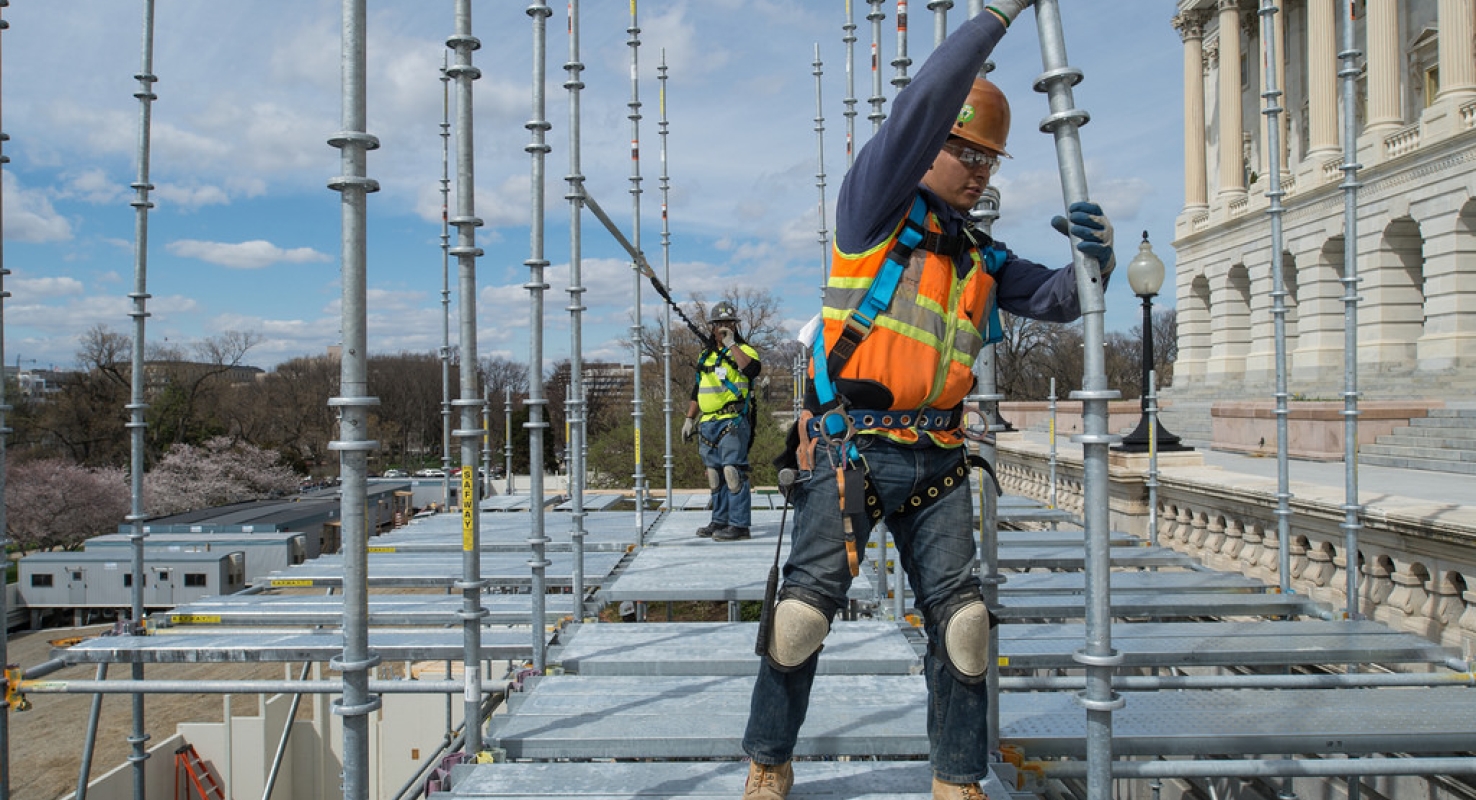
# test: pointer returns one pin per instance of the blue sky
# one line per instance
(245, 235)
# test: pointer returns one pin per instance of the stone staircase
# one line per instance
(1444, 441)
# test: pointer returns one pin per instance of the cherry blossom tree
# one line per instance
(51, 503)
(215, 473)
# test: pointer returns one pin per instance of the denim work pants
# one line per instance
(936, 546)
(724, 443)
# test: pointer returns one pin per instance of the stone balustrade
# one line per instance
(1416, 559)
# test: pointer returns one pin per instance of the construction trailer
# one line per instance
(104, 580)
(315, 514)
(266, 552)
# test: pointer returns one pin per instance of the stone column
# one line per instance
(1457, 56)
(1318, 358)
(1322, 83)
(1384, 69)
(1449, 339)
(1232, 125)
(1191, 30)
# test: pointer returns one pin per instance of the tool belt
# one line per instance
(862, 420)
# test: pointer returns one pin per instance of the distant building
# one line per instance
(1415, 113)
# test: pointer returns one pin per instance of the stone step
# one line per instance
(1418, 453)
(1458, 445)
(1459, 412)
(1466, 436)
(1433, 465)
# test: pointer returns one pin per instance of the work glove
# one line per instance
(1009, 9)
(1090, 225)
(725, 337)
(689, 429)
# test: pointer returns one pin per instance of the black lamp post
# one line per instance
(1145, 276)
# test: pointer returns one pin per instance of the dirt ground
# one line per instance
(46, 741)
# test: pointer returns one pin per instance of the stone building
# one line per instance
(1415, 234)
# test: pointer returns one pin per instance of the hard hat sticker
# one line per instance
(965, 115)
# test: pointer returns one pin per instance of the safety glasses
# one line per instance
(973, 159)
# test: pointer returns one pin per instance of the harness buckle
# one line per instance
(843, 437)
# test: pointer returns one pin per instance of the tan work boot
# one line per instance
(767, 782)
(942, 790)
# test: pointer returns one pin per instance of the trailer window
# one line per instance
(40, 579)
(195, 579)
(128, 579)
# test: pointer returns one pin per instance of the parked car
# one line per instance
(429, 473)
(396, 473)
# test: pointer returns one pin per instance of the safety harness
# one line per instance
(836, 425)
(739, 407)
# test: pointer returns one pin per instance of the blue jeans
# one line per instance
(936, 547)
(724, 443)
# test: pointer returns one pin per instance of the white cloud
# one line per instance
(44, 287)
(29, 215)
(254, 254)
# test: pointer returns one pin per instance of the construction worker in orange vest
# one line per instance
(910, 301)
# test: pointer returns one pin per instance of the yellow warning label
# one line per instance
(380, 549)
(291, 582)
(468, 507)
(195, 619)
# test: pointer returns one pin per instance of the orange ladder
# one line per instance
(200, 777)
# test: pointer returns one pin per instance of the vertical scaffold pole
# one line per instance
(507, 448)
(664, 128)
(901, 62)
(637, 397)
(462, 43)
(353, 445)
(446, 423)
(539, 12)
(1352, 510)
(576, 414)
(141, 203)
(4, 523)
(820, 171)
(849, 38)
(1098, 657)
(940, 19)
(875, 17)
(1274, 193)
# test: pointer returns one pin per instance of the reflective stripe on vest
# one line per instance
(923, 346)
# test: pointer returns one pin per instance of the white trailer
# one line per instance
(266, 552)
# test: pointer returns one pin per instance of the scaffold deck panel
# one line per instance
(714, 571)
(509, 532)
(518, 502)
(438, 609)
(704, 717)
(1030, 556)
(1155, 605)
(685, 648)
(1190, 644)
(444, 570)
(596, 502)
(258, 646)
(1130, 581)
(813, 780)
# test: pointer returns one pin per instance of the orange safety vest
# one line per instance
(922, 348)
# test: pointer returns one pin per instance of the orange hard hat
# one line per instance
(984, 119)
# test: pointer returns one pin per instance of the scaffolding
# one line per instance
(1118, 659)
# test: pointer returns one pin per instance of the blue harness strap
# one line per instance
(858, 323)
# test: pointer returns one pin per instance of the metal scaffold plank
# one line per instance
(703, 717)
(257, 646)
(248, 610)
(685, 648)
(443, 570)
(813, 780)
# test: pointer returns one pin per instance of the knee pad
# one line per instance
(713, 479)
(734, 478)
(963, 627)
(801, 622)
